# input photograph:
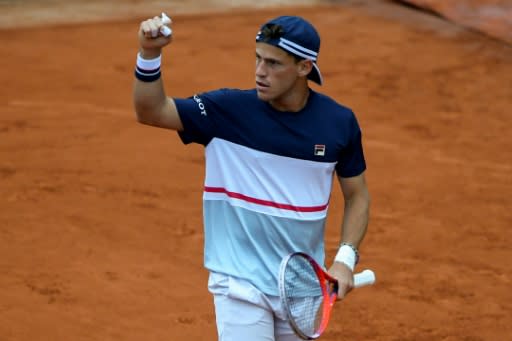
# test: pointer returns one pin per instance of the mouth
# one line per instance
(261, 86)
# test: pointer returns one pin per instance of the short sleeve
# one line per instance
(351, 160)
(201, 116)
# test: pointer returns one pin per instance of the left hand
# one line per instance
(344, 276)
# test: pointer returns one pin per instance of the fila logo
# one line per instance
(200, 104)
(320, 149)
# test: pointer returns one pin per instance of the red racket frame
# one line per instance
(329, 296)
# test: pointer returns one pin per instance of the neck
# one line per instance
(293, 101)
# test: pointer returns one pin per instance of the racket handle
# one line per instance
(165, 30)
(366, 277)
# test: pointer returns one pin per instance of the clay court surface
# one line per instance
(100, 217)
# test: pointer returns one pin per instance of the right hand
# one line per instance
(151, 40)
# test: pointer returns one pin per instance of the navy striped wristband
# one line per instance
(148, 70)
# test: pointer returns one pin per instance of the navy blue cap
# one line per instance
(296, 36)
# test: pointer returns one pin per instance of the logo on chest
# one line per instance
(320, 149)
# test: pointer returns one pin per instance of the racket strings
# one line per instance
(304, 295)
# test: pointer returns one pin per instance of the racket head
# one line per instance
(307, 294)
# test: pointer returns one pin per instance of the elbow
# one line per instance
(143, 115)
(367, 200)
(141, 119)
(360, 198)
(139, 116)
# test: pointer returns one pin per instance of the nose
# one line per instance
(261, 70)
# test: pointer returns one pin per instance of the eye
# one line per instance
(272, 62)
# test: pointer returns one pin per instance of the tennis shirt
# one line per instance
(268, 177)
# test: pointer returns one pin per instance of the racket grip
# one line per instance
(166, 30)
(366, 277)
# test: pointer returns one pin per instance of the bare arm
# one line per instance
(354, 226)
(152, 106)
(357, 209)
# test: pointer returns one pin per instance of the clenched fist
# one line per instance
(154, 34)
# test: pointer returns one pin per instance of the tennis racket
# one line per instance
(308, 293)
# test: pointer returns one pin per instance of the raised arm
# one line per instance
(152, 106)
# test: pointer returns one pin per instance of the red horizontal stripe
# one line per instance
(265, 202)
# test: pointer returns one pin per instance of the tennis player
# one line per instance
(271, 156)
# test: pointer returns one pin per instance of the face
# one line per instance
(278, 73)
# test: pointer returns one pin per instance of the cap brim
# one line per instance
(315, 75)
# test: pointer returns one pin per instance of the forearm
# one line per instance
(149, 98)
(355, 223)
(148, 90)
(355, 219)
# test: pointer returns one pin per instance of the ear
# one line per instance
(305, 66)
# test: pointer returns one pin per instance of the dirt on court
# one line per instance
(492, 17)
(100, 217)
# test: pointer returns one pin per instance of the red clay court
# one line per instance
(100, 217)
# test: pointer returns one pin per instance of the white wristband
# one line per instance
(149, 64)
(347, 256)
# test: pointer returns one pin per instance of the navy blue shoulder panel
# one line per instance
(323, 130)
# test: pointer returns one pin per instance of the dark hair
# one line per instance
(271, 31)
